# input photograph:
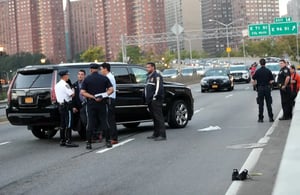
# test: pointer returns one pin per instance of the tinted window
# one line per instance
(140, 75)
(40, 80)
(121, 75)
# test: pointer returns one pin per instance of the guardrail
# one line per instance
(287, 181)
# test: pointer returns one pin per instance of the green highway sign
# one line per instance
(287, 28)
(283, 19)
(258, 30)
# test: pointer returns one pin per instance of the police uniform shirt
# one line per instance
(283, 73)
(154, 87)
(96, 83)
(263, 76)
(113, 82)
(63, 92)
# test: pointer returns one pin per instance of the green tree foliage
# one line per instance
(20, 60)
(133, 52)
(93, 54)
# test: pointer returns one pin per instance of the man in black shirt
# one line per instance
(284, 77)
(263, 78)
(96, 88)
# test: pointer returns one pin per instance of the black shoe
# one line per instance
(284, 118)
(160, 138)
(88, 146)
(235, 174)
(271, 120)
(152, 137)
(260, 120)
(108, 145)
(62, 143)
(71, 145)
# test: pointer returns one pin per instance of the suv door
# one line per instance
(130, 105)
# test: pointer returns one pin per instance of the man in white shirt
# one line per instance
(105, 70)
(64, 95)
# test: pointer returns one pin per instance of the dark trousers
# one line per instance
(65, 112)
(286, 102)
(80, 119)
(97, 117)
(112, 119)
(155, 108)
(264, 93)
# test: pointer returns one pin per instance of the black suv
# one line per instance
(32, 101)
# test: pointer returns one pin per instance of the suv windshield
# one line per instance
(169, 71)
(39, 80)
(237, 68)
(216, 72)
(273, 67)
(187, 70)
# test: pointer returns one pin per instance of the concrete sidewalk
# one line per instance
(268, 163)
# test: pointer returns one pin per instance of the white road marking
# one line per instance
(253, 158)
(4, 143)
(115, 146)
(247, 146)
(228, 96)
(210, 128)
(197, 111)
(247, 88)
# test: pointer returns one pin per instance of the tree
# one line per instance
(93, 54)
(133, 52)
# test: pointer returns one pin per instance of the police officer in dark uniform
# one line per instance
(284, 77)
(263, 79)
(154, 95)
(64, 95)
(96, 88)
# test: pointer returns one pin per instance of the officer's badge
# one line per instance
(285, 71)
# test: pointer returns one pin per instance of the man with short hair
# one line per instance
(263, 78)
(295, 84)
(284, 77)
(105, 70)
(154, 96)
(64, 95)
(79, 105)
(96, 88)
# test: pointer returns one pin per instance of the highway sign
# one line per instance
(283, 19)
(287, 28)
(258, 30)
(228, 49)
(177, 29)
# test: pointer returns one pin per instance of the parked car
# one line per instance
(240, 73)
(275, 68)
(188, 72)
(200, 70)
(217, 79)
(32, 101)
(170, 73)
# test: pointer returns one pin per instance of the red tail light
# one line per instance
(53, 96)
(9, 89)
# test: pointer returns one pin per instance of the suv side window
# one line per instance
(140, 75)
(121, 75)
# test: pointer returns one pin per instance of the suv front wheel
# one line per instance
(43, 132)
(178, 114)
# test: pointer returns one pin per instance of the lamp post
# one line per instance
(228, 49)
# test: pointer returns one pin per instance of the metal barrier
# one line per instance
(287, 181)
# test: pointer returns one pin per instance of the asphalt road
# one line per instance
(190, 162)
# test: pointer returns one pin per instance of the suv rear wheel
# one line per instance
(43, 132)
(131, 125)
(178, 114)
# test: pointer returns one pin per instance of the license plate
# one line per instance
(214, 86)
(28, 100)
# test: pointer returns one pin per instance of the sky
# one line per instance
(282, 6)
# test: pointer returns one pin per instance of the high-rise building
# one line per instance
(212, 11)
(103, 22)
(293, 9)
(34, 26)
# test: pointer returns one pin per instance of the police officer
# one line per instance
(64, 95)
(79, 105)
(154, 95)
(105, 70)
(96, 88)
(263, 78)
(284, 77)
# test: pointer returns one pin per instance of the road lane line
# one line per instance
(4, 143)
(115, 146)
(228, 96)
(253, 158)
(199, 110)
